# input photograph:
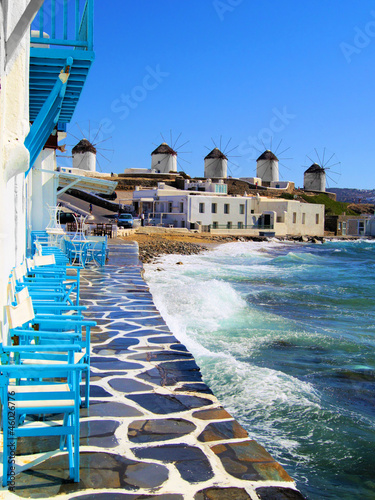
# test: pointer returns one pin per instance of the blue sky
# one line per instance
(234, 70)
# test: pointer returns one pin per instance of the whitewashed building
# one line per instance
(164, 159)
(206, 206)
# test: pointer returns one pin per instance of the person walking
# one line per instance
(90, 208)
(142, 219)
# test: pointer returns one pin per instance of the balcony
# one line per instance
(62, 29)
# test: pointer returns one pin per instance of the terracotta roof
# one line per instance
(216, 153)
(84, 146)
(268, 155)
(314, 168)
(164, 149)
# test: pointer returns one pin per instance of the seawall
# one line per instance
(154, 429)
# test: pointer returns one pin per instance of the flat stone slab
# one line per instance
(199, 387)
(212, 414)
(97, 471)
(108, 363)
(126, 496)
(222, 494)
(222, 430)
(99, 433)
(165, 355)
(163, 339)
(95, 391)
(128, 385)
(172, 372)
(190, 461)
(117, 345)
(147, 431)
(249, 461)
(109, 409)
(278, 493)
(161, 404)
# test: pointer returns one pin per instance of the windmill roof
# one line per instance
(268, 155)
(84, 146)
(164, 149)
(314, 168)
(216, 153)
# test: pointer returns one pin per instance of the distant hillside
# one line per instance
(349, 195)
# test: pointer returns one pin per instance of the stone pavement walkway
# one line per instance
(153, 429)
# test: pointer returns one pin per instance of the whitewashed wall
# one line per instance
(14, 157)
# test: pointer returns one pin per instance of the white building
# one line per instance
(215, 211)
(268, 167)
(215, 165)
(164, 159)
(314, 178)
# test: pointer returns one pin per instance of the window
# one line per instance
(252, 211)
(303, 218)
(294, 217)
(170, 207)
(240, 225)
(215, 225)
(181, 207)
(229, 225)
(182, 223)
(226, 208)
(214, 208)
(242, 209)
(201, 208)
(316, 218)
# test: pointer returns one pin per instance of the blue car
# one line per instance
(125, 220)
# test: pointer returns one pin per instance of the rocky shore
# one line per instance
(152, 246)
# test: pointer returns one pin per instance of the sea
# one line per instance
(284, 334)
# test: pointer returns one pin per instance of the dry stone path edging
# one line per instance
(154, 430)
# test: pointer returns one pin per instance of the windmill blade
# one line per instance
(83, 135)
(184, 144)
(73, 136)
(162, 137)
(235, 147)
(220, 142)
(235, 164)
(99, 153)
(332, 171)
(97, 133)
(170, 133)
(284, 166)
(317, 156)
(227, 144)
(271, 144)
(103, 141)
(333, 165)
(176, 141)
(183, 159)
(310, 159)
(264, 145)
(324, 152)
(327, 162)
(276, 150)
(284, 151)
(213, 142)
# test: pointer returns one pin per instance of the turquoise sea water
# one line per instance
(285, 336)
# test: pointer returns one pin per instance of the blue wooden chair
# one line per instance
(29, 399)
(48, 330)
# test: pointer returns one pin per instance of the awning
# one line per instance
(81, 182)
(90, 184)
(144, 199)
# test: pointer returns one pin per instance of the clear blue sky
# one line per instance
(234, 70)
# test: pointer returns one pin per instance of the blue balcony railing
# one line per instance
(68, 23)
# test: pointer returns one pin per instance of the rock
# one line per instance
(179, 263)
